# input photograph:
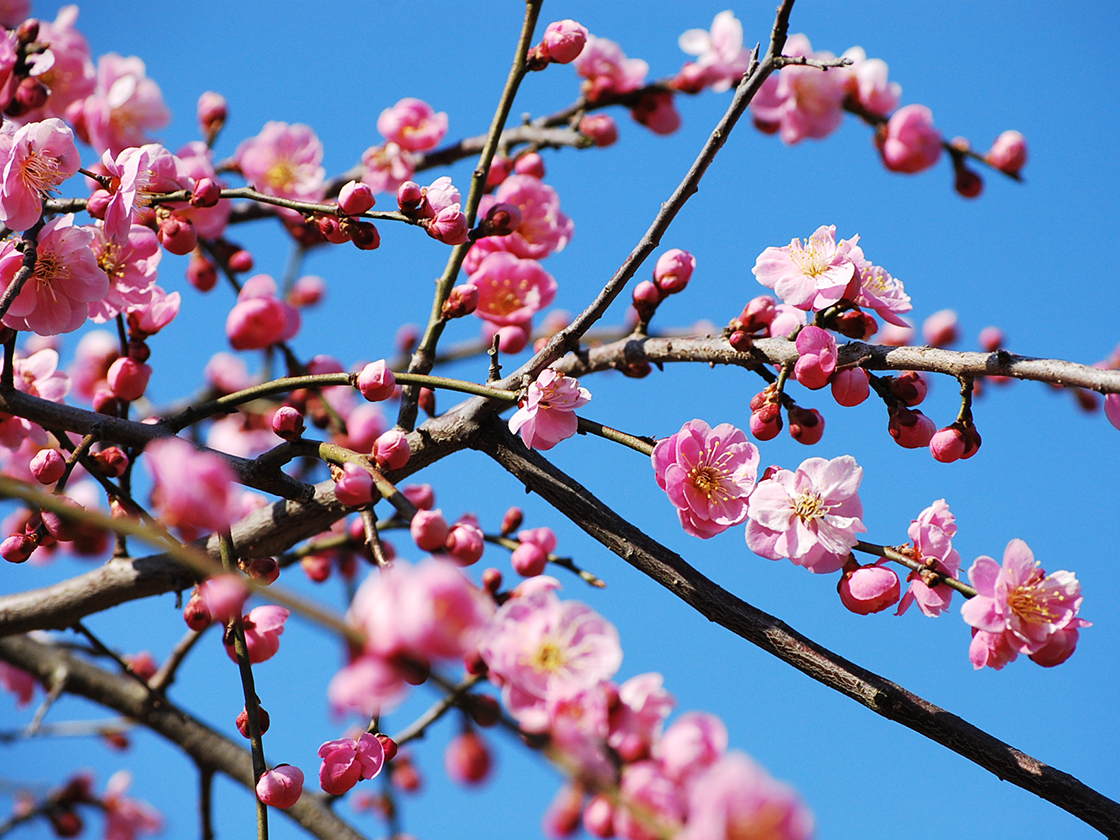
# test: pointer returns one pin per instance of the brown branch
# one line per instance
(210, 750)
(775, 637)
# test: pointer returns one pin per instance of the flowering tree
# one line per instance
(296, 450)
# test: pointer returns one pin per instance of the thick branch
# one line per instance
(210, 750)
(774, 636)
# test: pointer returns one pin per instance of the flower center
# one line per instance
(1031, 603)
(109, 259)
(707, 479)
(809, 506)
(504, 301)
(547, 657)
(281, 175)
(811, 261)
(40, 173)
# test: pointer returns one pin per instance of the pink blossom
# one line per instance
(530, 558)
(354, 486)
(564, 40)
(737, 798)
(720, 52)
(391, 450)
(635, 723)
(465, 542)
(601, 128)
(148, 318)
(429, 529)
(547, 415)
(72, 77)
(413, 125)
(1112, 409)
(673, 270)
(196, 166)
(851, 386)
(1008, 153)
(369, 684)
(224, 596)
(349, 760)
(192, 488)
(544, 228)
(880, 291)
(607, 69)
(259, 318)
(708, 475)
(280, 787)
(355, 198)
(812, 275)
(387, 167)
(657, 111)
(131, 266)
(816, 359)
(786, 320)
(125, 817)
(468, 760)
(19, 682)
(538, 647)
(911, 429)
(1020, 601)
(136, 174)
(9, 55)
(910, 143)
(123, 107)
(376, 382)
(212, 112)
(284, 161)
(940, 328)
(651, 805)
(42, 156)
(800, 102)
(694, 742)
(868, 589)
(263, 627)
(67, 278)
(932, 535)
(511, 290)
(39, 376)
(811, 516)
(868, 83)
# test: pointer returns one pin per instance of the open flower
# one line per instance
(348, 760)
(800, 102)
(932, 533)
(813, 274)
(511, 290)
(285, 161)
(263, 627)
(810, 517)
(42, 156)
(708, 475)
(548, 414)
(720, 52)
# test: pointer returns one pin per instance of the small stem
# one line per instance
(205, 806)
(437, 710)
(897, 556)
(373, 539)
(29, 245)
(638, 444)
(166, 673)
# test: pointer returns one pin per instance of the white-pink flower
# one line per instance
(413, 125)
(868, 83)
(548, 413)
(544, 228)
(386, 167)
(932, 534)
(131, 266)
(708, 475)
(800, 102)
(66, 279)
(720, 52)
(285, 161)
(810, 275)
(41, 156)
(124, 106)
(811, 516)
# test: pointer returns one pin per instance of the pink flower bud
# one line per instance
(940, 328)
(757, 314)
(48, 466)
(512, 338)
(1008, 153)
(287, 423)
(207, 193)
(857, 325)
(105, 402)
(201, 273)
(17, 548)
(947, 445)
(112, 461)
(911, 429)
(177, 235)
(317, 567)
(364, 235)
(512, 521)
(128, 378)
(30, 94)
(391, 450)
(741, 341)
(910, 143)
(806, 425)
(851, 386)
(531, 164)
(500, 169)
(356, 198)
(868, 589)
(197, 614)
(449, 226)
(598, 817)
(331, 229)
(98, 203)
(429, 530)
(501, 220)
(766, 422)
(647, 297)
(264, 570)
(463, 300)
(967, 183)
(563, 815)
(564, 40)
(240, 261)
(465, 543)
(410, 196)
(492, 581)
(28, 31)
(657, 112)
(991, 339)
(421, 495)
(529, 559)
(257, 322)
(243, 721)
(972, 441)
(910, 387)
(212, 113)
(673, 270)
(817, 359)
(353, 486)
(601, 128)
(376, 381)
(281, 787)
(467, 759)
(307, 291)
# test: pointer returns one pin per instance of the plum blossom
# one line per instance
(606, 69)
(349, 760)
(66, 279)
(123, 107)
(131, 267)
(719, 52)
(815, 274)
(192, 488)
(72, 77)
(135, 175)
(880, 291)
(39, 376)
(263, 628)
(195, 163)
(40, 157)
(285, 161)
(413, 125)
(694, 742)
(1008, 152)
(910, 143)
(125, 817)
(547, 415)
(260, 318)
(539, 648)
(564, 40)
(800, 102)
(816, 358)
(280, 787)
(635, 723)
(810, 517)
(511, 290)
(868, 85)
(386, 167)
(1021, 605)
(932, 534)
(708, 475)
(544, 228)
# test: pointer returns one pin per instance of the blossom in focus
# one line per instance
(813, 275)
(800, 102)
(263, 627)
(280, 787)
(810, 516)
(708, 475)
(719, 52)
(349, 760)
(880, 291)
(910, 143)
(66, 279)
(125, 818)
(547, 415)
(511, 290)
(135, 174)
(40, 157)
(131, 267)
(192, 488)
(816, 358)
(1019, 602)
(868, 589)
(284, 161)
(736, 798)
(538, 647)
(564, 40)
(124, 106)
(413, 125)
(932, 535)
(868, 85)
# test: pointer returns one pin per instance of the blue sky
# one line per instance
(1036, 259)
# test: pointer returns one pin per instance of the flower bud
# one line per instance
(947, 445)
(240, 261)
(429, 530)
(17, 548)
(356, 198)
(766, 422)
(501, 220)
(868, 589)
(467, 759)
(483, 709)
(564, 40)
(673, 270)
(201, 273)
(910, 387)
(855, 324)
(512, 521)
(364, 235)
(28, 31)
(851, 386)
(212, 113)
(207, 193)
(197, 614)
(331, 229)
(177, 235)
(30, 94)
(307, 291)
(48, 466)
(492, 581)
(449, 226)
(910, 429)
(426, 399)
(531, 164)
(421, 495)
(317, 567)
(1008, 153)
(280, 787)
(264, 570)
(940, 328)
(98, 203)
(243, 721)
(353, 485)
(391, 450)
(991, 339)
(287, 423)
(967, 183)
(647, 297)
(529, 559)
(806, 425)
(462, 300)
(112, 461)
(128, 378)
(741, 341)
(410, 196)
(601, 128)
(376, 381)
(757, 314)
